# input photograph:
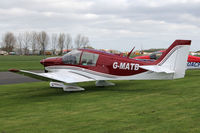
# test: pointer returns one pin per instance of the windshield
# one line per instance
(72, 57)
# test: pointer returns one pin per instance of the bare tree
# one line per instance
(68, 41)
(1, 45)
(43, 39)
(61, 42)
(9, 41)
(20, 43)
(34, 42)
(77, 41)
(81, 41)
(54, 42)
(26, 42)
(84, 41)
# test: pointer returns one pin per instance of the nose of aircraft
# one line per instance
(42, 61)
(51, 61)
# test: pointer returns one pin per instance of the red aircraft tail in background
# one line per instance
(193, 62)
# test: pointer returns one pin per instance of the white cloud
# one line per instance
(91, 16)
(15, 12)
(69, 4)
(190, 18)
(108, 24)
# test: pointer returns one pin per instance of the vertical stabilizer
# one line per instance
(175, 58)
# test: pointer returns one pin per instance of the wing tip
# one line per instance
(13, 70)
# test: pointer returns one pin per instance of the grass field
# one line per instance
(129, 107)
(20, 62)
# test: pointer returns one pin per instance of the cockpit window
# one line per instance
(72, 57)
(155, 55)
(89, 59)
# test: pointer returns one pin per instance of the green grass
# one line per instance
(20, 62)
(130, 106)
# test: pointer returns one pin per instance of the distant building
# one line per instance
(195, 53)
(147, 53)
(3, 52)
(111, 51)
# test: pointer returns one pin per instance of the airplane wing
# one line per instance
(155, 68)
(62, 75)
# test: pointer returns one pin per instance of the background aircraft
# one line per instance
(193, 62)
(85, 65)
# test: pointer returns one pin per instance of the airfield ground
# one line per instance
(20, 62)
(130, 106)
(14, 78)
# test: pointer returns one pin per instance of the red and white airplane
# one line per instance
(85, 65)
(193, 62)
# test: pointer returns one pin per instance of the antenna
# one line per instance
(130, 52)
(141, 51)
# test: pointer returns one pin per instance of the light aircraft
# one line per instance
(193, 62)
(83, 65)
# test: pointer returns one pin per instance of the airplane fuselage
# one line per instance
(106, 63)
(84, 65)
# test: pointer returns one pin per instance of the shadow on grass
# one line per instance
(45, 93)
(129, 86)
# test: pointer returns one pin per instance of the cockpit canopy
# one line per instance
(72, 57)
(77, 57)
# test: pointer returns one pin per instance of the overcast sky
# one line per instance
(109, 24)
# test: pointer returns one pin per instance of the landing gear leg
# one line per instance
(104, 83)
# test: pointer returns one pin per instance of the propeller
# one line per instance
(43, 62)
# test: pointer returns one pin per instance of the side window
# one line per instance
(72, 57)
(89, 59)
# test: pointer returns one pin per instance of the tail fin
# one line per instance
(173, 60)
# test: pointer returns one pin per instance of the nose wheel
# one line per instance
(46, 71)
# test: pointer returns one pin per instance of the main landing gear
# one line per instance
(69, 87)
(103, 83)
(74, 87)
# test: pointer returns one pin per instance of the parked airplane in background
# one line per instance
(85, 65)
(193, 62)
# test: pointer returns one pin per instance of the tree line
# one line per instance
(38, 42)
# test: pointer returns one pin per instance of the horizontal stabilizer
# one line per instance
(156, 68)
